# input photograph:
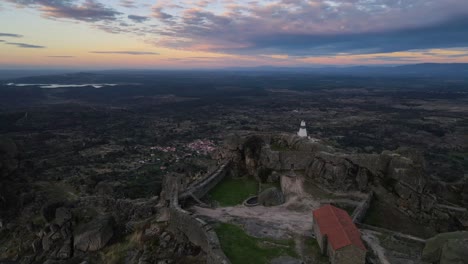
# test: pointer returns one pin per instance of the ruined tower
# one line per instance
(302, 130)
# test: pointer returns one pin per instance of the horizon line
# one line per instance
(66, 68)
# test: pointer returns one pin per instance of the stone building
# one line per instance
(337, 236)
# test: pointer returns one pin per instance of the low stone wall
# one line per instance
(201, 188)
(360, 212)
(451, 208)
(398, 235)
(199, 233)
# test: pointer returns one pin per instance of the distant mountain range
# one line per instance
(19, 73)
(413, 70)
(423, 70)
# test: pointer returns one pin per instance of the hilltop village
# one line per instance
(318, 197)
(266, 198)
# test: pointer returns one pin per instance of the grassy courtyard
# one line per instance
(233, 191)
(241, 248)
(312, 249)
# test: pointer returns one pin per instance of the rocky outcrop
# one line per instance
(340, 171)
(54, 241)
(333, 169)
(397, 177)
(123, 210)
(48, 211)
(254, 152)
(271, 197)
(447, 248)
(337, 172)
(455, 252)
(394, 177)
(95, 234)
(62, 215)
(199, 233)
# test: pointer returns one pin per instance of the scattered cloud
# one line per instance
(447, 34)
(128, 3)
(394, 59)
(274, 29)
(159, 13)
(456, 55)
(10, 35)
(300, 27)
(137, 19)
(89, 10)
(61, 57)
(126, 52)
(24, 45)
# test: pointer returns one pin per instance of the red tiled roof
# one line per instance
(338, 226)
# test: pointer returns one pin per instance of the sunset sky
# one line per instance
(224, 33)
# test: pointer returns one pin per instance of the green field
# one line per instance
(232, 191)
(241, 248)
(312, 249)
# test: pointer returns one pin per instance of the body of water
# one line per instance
(53, 86)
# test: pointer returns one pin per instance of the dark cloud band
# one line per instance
(25, 46)
(297, 28)
(10, 35)
(89, 10)
(126, 52)
(448, 34)
(128, 3)
(138, 19)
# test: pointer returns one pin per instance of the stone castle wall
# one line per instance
(199, 233)
(201, 188)
(360, 212)
(183, 223)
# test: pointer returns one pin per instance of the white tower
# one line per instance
(302, 130)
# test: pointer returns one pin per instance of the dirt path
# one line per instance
(291, 218)
(282, 217)
(292, 186)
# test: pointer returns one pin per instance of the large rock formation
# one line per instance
(447, 248)
(95, 234)
(397, 177)
(271, 197)
(254, 152)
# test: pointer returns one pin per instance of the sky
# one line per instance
(171, 34)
